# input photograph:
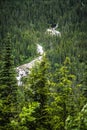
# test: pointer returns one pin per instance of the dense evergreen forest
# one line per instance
(54, 95)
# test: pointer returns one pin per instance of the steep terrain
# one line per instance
(53, 96)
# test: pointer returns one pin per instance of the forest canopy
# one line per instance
(54, 95)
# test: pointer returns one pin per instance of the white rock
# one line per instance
(25, 69)
(40, 49)
(53, 32)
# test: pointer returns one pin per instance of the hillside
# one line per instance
(28, 21)
(54, 95)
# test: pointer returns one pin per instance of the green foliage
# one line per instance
(26, 19)
(7, 75)
(50, 98)
(37, 89)
(26, 114)
(67, 98)
(79, 122)
(8, 87)
(24, 47)
(26, 117)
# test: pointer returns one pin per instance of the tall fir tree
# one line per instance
(36, 90)
(8, 86)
